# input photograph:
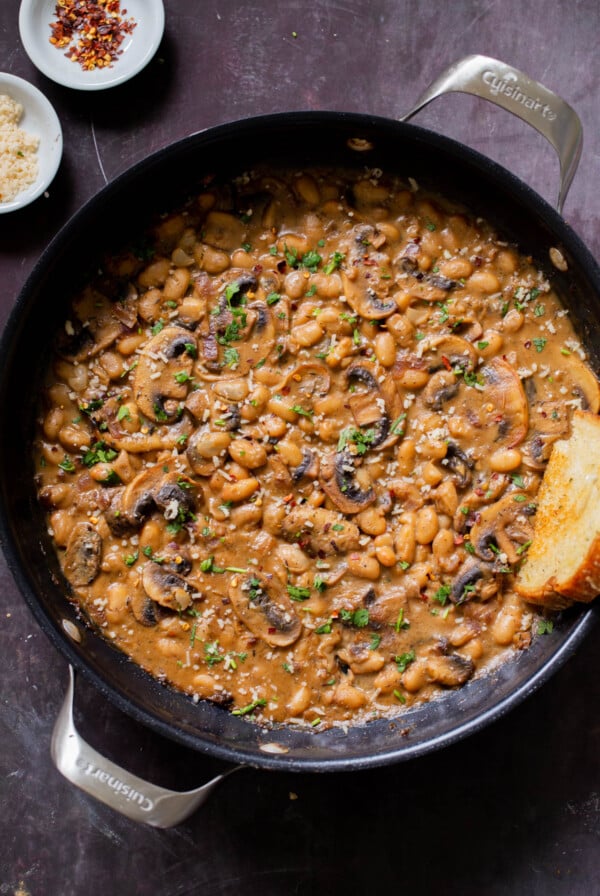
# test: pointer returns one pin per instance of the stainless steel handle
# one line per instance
(514, 91)
(113, 785)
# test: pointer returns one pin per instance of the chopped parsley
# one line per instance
(334, 262)
(361, 439)
(442, 594)
(404, 660)
(375, 642)
(298, 593)
(358, 618)
(212, 653)
(231, 358)
(249, 708)
(545, 627)
(298, 409)
(99, 453)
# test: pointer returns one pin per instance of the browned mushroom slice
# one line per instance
(503, 525)
(94, 328)
(83, 554)
(495, 400)
(320, 532)
(337, 479)
(549, 421)
(152, 438)
(309, 466)
(266, 610)
(449, 352)
(468, 581)
(167, 588)
(363, 299)
(145, 610)
(376, 405)
(442, 387)
(304, 384)
(585, 385)
(451, 670)
(460, 464)
(426, 285)
(485, 493)
(163, 374)
(504, 393)
(149, 490)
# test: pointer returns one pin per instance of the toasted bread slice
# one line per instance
(563, 562)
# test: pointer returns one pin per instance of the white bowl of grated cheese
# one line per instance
(30, 143)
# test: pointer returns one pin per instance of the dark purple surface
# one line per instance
(512, 811)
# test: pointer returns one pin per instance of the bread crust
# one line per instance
(554, 522)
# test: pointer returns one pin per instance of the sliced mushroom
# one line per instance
(305, 383)
(95, 327)
(149, 490)
(460, 464)
(265, 609)
(449, 352)
(224, 351)
(320, 532)
(337, 479)
(309, 466)
(378, 406)
(450, 670)
(363, 299)
(501, 403)
(162, 375)
(549, 421)
(83, 555)
(145, 610)
(442, 387)
(152, 438)
(502, 525)
(429, 286)
(167, 588)
(467, 582)
(485, 492)
(585, 385)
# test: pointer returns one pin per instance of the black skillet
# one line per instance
(113, 215)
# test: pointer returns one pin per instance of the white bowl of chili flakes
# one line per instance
(91, 44)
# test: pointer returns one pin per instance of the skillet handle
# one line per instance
(509, 88)
(113, 785)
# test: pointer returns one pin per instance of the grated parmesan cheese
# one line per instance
(18, 160)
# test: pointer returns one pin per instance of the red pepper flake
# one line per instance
(92, 31)
(446, 362)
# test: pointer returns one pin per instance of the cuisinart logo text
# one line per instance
(125, 790)
(508, 85)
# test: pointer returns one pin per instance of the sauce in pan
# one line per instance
(291, 443)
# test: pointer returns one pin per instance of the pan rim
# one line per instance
(56, 248)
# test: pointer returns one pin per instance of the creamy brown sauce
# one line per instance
(291, 444)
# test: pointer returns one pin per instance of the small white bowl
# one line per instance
(36, 16)
(40, 120)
